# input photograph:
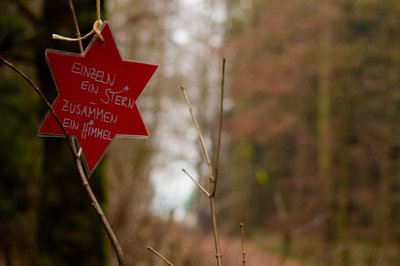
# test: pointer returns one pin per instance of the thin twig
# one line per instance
(212, 177)
(213, 182)
(80, 44)
(243, 248)
(78, 161)
(211, 197)
(107, 227)
(202, 142)
(221, 115)
(218, 254)
(42, 96)
(197, 183)
(76, 25)
(160, 256)
(95, 30)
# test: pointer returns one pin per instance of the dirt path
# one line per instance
(232, 253)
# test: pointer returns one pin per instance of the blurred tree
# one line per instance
(367, 83)
(274, 89)
(325, 171)
(20, 153)
(20, 160)
(316, 102)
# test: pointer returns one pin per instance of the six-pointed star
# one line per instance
(97, 96)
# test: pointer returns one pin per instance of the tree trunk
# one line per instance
(69, 231)
(324, 140)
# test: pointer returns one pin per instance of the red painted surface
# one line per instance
(97, 96)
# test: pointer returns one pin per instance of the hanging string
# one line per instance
(95, 30)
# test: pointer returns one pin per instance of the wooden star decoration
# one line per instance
(97, 96)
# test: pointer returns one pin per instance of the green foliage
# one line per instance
(248, 151)
(262, 177)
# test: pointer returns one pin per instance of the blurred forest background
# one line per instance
(311, 143)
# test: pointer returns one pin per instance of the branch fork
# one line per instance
(213, 170)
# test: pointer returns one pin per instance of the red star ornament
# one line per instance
(97, 96)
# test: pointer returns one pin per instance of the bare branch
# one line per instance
(160, 256)
(197, 183)
(42, 96)
(218, 254)
(221, 115)
(76, 25)
(202, 143)
(243, 248)
(107, 227)
(78, 161)
(213, 178)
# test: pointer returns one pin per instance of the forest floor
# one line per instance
(184, 245)
(255, 255)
